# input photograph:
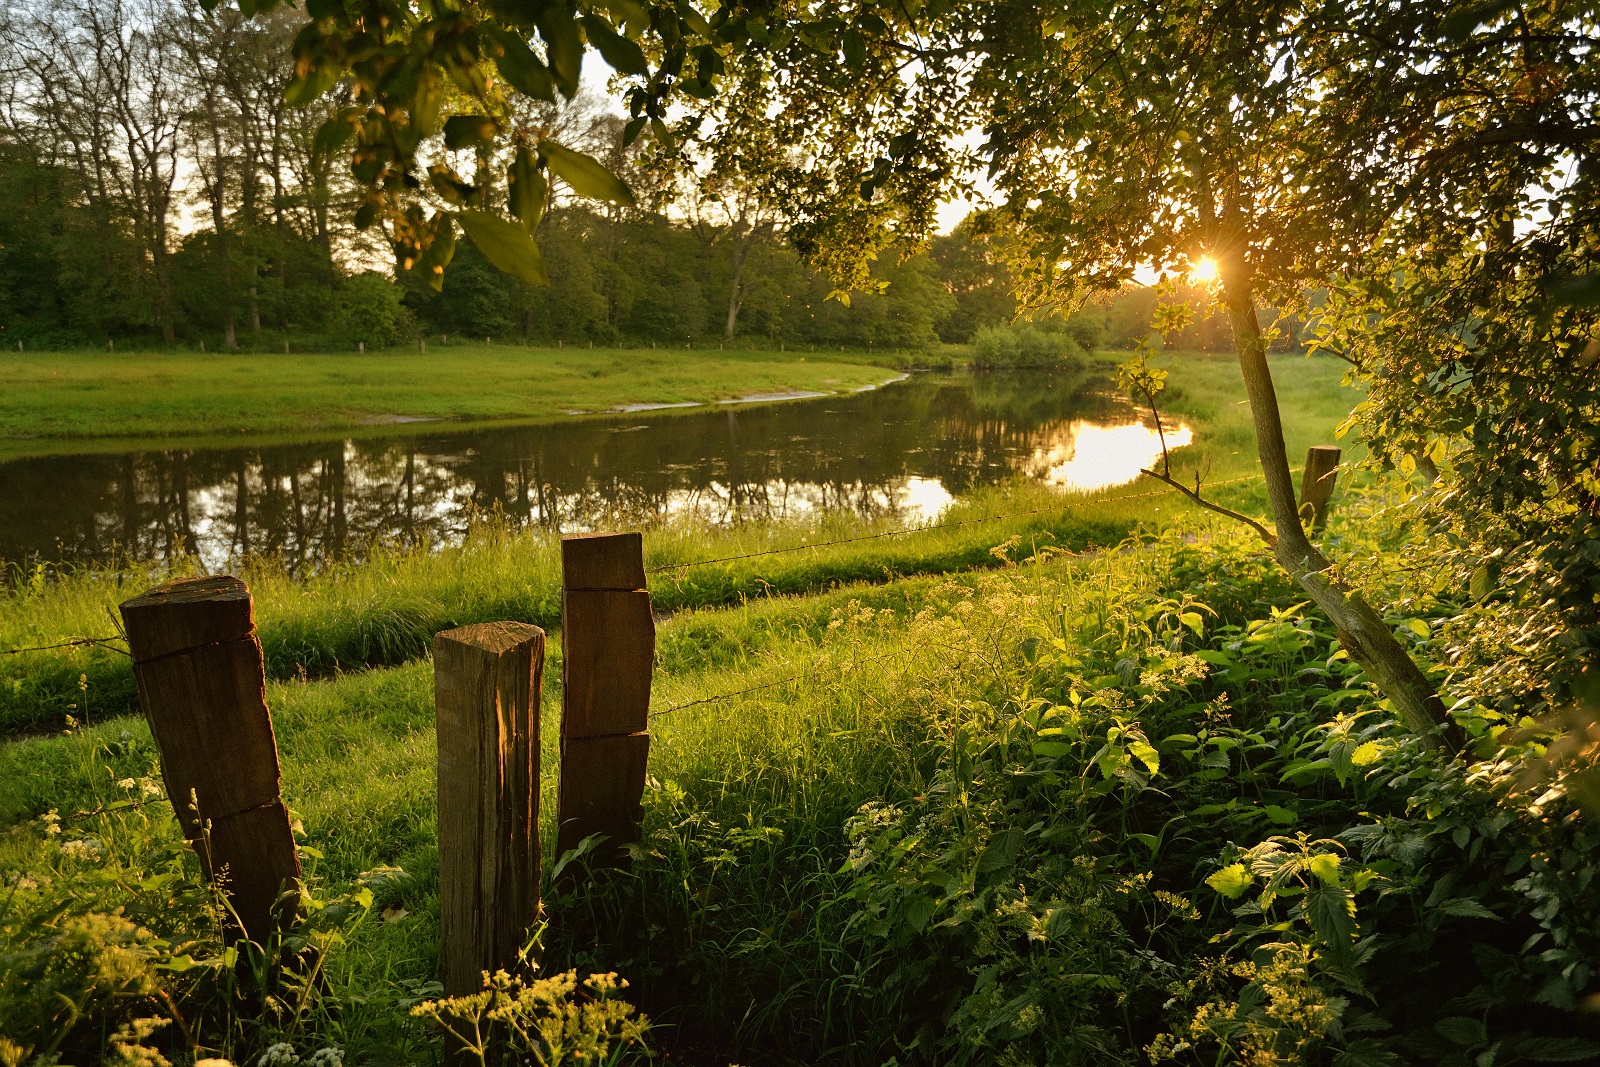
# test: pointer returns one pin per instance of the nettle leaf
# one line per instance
(587, 175)
(1462, 1031)
(1331, 911)
(1231, 881)
(1146, 754)
(505, 244)
(1325, 866)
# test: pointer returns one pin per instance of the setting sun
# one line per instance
(1204, 270)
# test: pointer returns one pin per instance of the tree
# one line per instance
(1412, 158)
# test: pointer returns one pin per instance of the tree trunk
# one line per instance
(1361, 629)
(230, 334)
(741, 254)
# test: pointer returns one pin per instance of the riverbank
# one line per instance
(78, 396)
(351, 616)
(975, 816)
(941, 793)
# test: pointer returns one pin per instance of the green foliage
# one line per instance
(370, 311)
(111, 943)
(1023, 346)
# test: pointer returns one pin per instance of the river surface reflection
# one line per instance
(904, 451)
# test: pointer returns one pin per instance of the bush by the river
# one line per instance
(1023, 346)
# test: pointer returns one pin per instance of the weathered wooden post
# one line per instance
(486, 684)
(1316, 484)
(203, 687)
(608, 645)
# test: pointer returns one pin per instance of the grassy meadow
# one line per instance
(997, 802)
(385, 611)
(76, 395)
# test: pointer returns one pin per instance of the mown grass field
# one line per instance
(76, 395)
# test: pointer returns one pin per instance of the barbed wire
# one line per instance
(911, 530)
(75, 642)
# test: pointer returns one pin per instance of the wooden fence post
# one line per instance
(1316, 484)
(486, 684)
(608, 644)
(203, 687)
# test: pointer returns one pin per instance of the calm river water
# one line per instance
(902, 451)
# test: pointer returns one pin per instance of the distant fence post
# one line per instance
(608, 643)
(203, 687)
(1316, 484)
(486, 684)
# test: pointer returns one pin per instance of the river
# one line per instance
(903, 451)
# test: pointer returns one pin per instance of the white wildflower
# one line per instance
(52, 822)
(126, 783)
(280, 1055)
(149, 787)
(332, 1056)
(85, 849)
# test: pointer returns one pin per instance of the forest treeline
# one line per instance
(156, 190)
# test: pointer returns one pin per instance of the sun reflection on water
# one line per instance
(1089, 456)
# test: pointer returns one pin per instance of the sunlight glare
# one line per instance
(1204, 271)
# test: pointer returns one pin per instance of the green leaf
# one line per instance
(1418, 627)
(332, 135)
(505, 244)
(1001, 851)
(1366, 754)
(1051, 749)
(563, 45)
(522, 69)
(307, 87)
(528, 189)
(658, 129)
(1331, 911)
(1462, 1031)
(623, 55)
(1193, 621)
(1143, 752)
(1325, 866)
(1231, 881)
(630, 132)
(1280, 815)
(468, 131)
(855, 48)
(1483, 581)
(1557, 1049)
(441, 249)
(587, 176)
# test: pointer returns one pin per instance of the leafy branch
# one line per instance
(1141, 380)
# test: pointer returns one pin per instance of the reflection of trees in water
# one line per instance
(316, 502)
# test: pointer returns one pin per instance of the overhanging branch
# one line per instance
(1266, 535)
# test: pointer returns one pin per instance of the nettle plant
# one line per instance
(1142, 841)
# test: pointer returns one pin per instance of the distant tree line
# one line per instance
(156, 190)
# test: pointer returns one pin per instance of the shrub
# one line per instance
(370, 311)
(1023, 346)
